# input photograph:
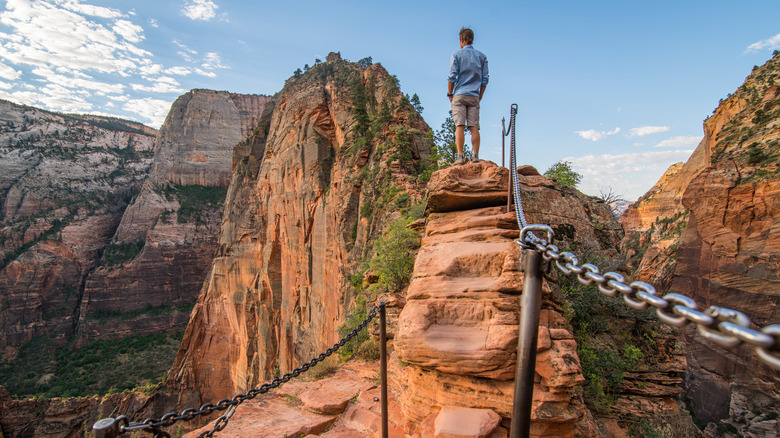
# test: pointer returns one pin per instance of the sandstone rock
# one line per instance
(457, 334)
(455, 422)
(270, 417)
(472, 185)
(292, 231)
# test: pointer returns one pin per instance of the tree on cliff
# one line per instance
(564, 174)
(444, 140)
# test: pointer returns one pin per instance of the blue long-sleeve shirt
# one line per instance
(468, 71)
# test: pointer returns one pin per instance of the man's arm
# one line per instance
(481, 92)
(450, 89)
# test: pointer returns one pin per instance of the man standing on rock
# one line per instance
(466, 84)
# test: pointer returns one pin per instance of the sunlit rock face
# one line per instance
(174, 220)
(710, 229)
(457, 334)
(729, 254)
(304, 201)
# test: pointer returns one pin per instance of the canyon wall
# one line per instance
(65, 181)
(710, 230)
(174, 219)
(338, 157)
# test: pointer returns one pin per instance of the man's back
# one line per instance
(468, 70)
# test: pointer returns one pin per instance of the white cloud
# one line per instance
(631, 174)
(163, 84)
(592, 134)
(77, 83)
(9, 73)
(646, 130)
(185, 52)
(153, 22)
(769, 44)
(151, 109)
(129, 31)
(5, 85)
(681, 141)
(209, 74)
(96, 11)
(178, 71)
(200, 10)
(212, 61)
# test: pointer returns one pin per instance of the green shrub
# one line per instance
(120, 253)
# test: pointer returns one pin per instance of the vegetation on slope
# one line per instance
(42, 368)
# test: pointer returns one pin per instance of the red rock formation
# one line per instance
(725, 202)
(277, 290)
(73, 417)
(194, 147)
(457, 334)
(64, 181)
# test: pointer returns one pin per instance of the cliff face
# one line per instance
(709, 230)
(306, 196)
(64, 182)
(173, 221)
(729, 254)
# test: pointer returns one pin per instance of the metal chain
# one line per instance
(723, 326)
(154, 425)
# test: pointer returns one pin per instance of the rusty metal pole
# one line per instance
(383, 365)
(531, 304)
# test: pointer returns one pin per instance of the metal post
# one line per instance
(383, 366)
(106, 428)
(531, 303)
(503, 141)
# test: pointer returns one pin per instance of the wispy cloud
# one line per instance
(681, 141)
(632, 173)
(154, 109)
(770, 43)
(592, 134)
(205, 10)
(646, 130)
(65, 55)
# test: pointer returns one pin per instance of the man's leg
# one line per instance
(474, 141)
(460, 139)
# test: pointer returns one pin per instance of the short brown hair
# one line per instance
(467, 35)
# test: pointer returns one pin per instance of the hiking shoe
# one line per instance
(475, 160)
(460, 162)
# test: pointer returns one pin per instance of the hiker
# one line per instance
(466, 84)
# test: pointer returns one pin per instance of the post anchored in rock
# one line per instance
(530, 308)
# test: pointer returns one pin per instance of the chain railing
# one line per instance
(113, 427)
(723, 326)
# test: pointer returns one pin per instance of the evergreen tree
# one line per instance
(444, 139)
(415, 101)
(365, 62)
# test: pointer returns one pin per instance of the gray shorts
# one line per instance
(465, 110)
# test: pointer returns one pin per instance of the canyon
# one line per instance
(299, 200)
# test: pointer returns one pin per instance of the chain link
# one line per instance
(725, 327)
(154, 425)
(722, 326)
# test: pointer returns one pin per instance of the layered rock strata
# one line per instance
(456, 343)
(174, 219)
(64, 183)
(729, 254)
(709, 230)
(310, 188)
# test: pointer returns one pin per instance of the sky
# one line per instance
(618, 88)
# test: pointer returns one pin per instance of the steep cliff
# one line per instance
(729, 254)
(709, 230)
(173, 221)
(319, 178)
(64, 182)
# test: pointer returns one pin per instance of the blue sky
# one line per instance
(618, 88)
